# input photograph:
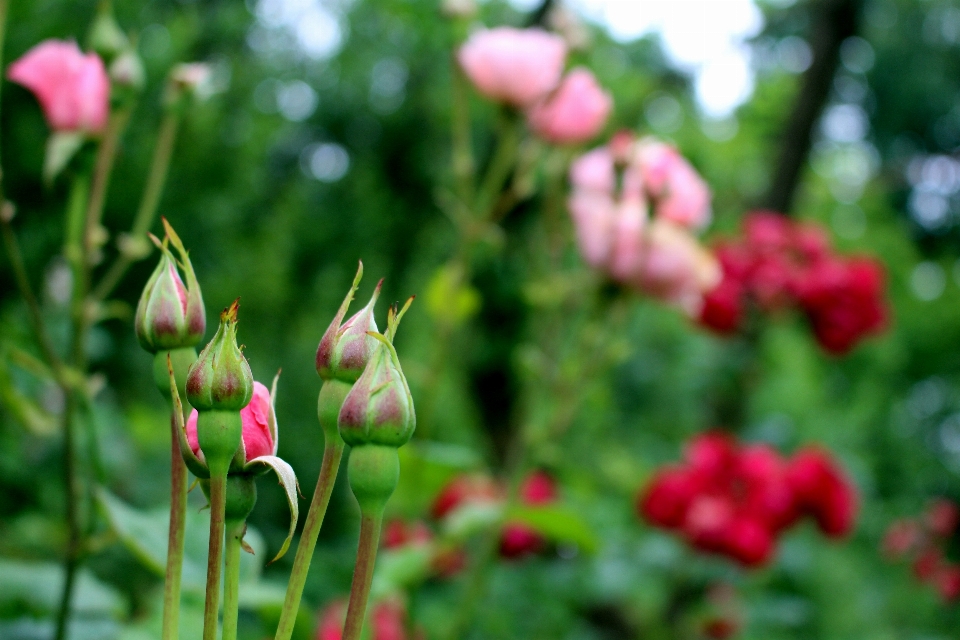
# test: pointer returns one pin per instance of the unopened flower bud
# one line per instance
(188, 80)
(379, 408)
(106, 37)
(346, 348)
(221, 379)
(170, 314)
(127, 71)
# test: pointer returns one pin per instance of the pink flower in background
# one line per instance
(576, 112)
(72, 87)
(515, 66)
(675, 268)
(657, 254)
(679, 194)
(259, 426)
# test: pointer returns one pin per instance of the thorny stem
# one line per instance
(332, 454)
(363, 573)
(149, 202)
(231, 578)
(218, 495)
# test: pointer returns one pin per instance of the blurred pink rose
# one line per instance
(576, 112)
(678, 192)
(73, 89)
(675, 267)
(515, 66)
(259, 426)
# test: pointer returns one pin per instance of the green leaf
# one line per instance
(398, 569)
(426, 468)
(557, 523)
(38, 586)
(61, 147)
(450, 300)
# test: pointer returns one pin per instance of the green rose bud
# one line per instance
(106, 37)
(346, 348)
(221, 379)
(170, 314)
(379, 408)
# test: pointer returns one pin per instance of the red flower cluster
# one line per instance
(779, 263)
(517, 539)
(923, 541)
(735, 500)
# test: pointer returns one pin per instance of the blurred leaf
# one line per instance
(401, 568)
(61, 147)
(449, 299)
(37, 586)
(557, 523)
(426, 467)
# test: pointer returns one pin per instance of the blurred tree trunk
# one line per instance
(832, 22)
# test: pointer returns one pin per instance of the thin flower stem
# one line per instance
(218, 496)
(103, 169)
(503, 161)
(74, 539)
(231, 578)
(149, 203)
(462, 158)
(332, 454)
(363, 573)
(33, 305)
(178, 518)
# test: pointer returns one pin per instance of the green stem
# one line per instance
(231, 578)
(74, 541)
(370, 523)
(218, 496)
(149, 202)
(462, 159)
(33, 305)
(332, 454)
(103, 169)
(503, 161)
(178, 518)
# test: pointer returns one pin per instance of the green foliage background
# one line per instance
(259, 227)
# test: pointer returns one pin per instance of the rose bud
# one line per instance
(106, 37)
(514, 66)
(219, 385)
(170, 314)
(379, 408)
(72, 87)
(345, 349)
(928, 564)
(376, 419)
(576, 112)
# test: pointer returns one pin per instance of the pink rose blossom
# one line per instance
(259, 426)
(679, 193)
(73, 88)
(515, 66)
(576, 112)
(676, 268)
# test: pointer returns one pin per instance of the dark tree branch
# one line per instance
(833, 21)
(539, 16)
